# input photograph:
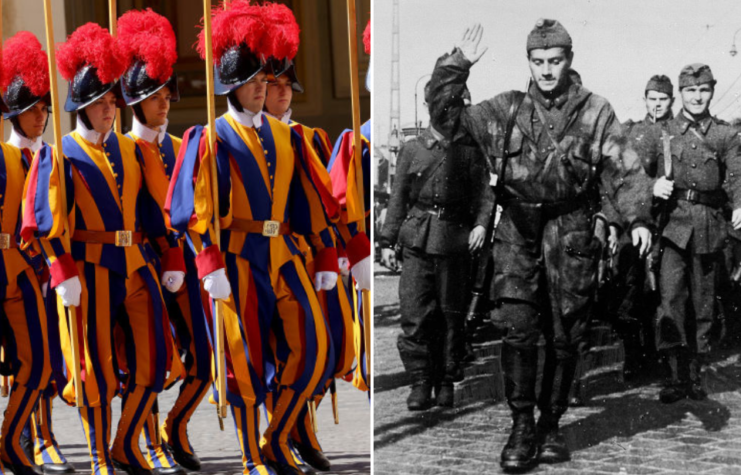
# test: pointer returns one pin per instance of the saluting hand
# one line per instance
(469, 44)
(736, 218)
(476, 238)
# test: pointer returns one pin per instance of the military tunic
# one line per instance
(706, 166)
(440, 194)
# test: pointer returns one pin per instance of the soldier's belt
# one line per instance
(266, 228)
(713, 199)
(119, 238)
(7, 241)
(445, 213)
(550, 209)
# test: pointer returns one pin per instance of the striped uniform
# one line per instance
(185, 309)
(344, 169)
(262, 176)
(23, 320)
(106, 193)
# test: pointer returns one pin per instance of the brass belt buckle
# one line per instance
(692, 196)
(123, 238)
(4, 241)
(271, 228)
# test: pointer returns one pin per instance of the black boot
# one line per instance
(695, 389)
(552, 447)
(446, 395)
(519, 366)
(519, 453)
(312, 456)
(677, 389)
(420, 398)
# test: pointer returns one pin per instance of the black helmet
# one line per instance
(86, 88)
(136, 85)
(18, 98)
(238, 65)
(279, 67)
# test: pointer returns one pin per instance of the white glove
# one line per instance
(44, 289)
(69, 291)
(362, 273)
(324, 280)
(173, 280)
(217, 285)
(344, 264)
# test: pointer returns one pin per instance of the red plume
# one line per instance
(90, 44)
(282, 36)
(366, 38)
(148, 36)
(242, 22)
(23, 56)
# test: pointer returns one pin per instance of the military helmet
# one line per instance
(282, 40)
(25, 77)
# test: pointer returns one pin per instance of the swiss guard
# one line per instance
(23, 320)
(25, 82)
(266, 193)
(336, 303)
(106, 270)
(149, 85)
(343, 168)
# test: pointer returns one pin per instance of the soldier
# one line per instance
(566, 144)
(698, 161)
(149, 85)
(630, 300)
(106, 269)
(438, 212)
(28, 100)
(266, 194)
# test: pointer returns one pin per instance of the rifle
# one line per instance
(482, 261)
(653, 259)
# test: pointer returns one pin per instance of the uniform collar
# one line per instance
(285, 118)
(22, 142)
(148, 134)
(685, 122)
(548, 101)
(648, 120)
(246, 118)
(430, 137)
(90, 135)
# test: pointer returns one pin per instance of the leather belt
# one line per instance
(119, 238)
(266, 228)
(7, 242)
(713, 199)
(445, 213)
(551, 209)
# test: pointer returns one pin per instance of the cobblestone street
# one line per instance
(625, 431)
(347, 445)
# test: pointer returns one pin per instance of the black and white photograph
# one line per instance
(557, 222)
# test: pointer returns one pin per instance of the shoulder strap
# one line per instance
(511, 118)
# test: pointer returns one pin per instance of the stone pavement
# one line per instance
(626, 431)
(347, 445)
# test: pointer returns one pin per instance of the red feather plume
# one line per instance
(148, 36)
(367, 38)
(23, 56)
(241, 23)
(282, 36)
(90, 44)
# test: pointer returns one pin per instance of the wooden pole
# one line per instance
(59, 156)
(220, 352)
(2, 122)
(113, 28)
(352, 31)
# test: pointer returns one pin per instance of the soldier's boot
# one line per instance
(520, 370)
(420, 398)
(247, 423)
(558, 375)
(157, 454)
(677, 388)
(420, 365)
(454, 346)
(45, 449)
(305, 441)
(696, 389)
(287, 404)
(125, 452)
(21, 403)
(175, 428)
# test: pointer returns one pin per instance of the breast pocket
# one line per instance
(710, 171)
(580, 161)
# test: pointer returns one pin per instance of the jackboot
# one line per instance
(519, 366)
(558, 375)
(446, 394)
(519, 453)
(420, 398)
(696, 390)
(677, 389)
(552, 446)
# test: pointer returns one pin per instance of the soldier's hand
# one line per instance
(613, 239)
(663, 188)
(476, 238)
(388, 259)
(736, 218)
(642, 240)
(470, 43)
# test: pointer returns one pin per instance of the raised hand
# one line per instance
(470, 44)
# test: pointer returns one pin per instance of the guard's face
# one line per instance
(33, 121)
(156, 107)
(279, 97)
(102, 113)
(658, 104)
(549, 67)
(696, 99)
(251, 95)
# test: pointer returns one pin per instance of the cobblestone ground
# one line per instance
(626, 432)
(347, 445)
